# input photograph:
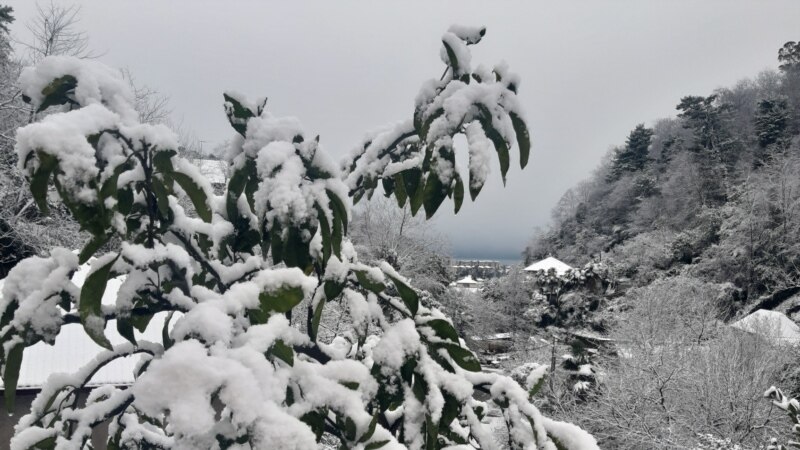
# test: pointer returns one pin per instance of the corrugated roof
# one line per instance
(549, 263)
(73, 348)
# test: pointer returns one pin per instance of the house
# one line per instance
(549, 263)
(774, 326)
(467, 283)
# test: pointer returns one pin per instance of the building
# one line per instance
(549, 263)
(771, 325)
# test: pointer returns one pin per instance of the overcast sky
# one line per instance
(590, 72)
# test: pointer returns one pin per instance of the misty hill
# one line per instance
(713, 193)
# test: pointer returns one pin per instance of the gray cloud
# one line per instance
(590, 71)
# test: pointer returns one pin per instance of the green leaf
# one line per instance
(458, 193)
(451, 56)
(536, 387)
(162, 201)
(91, 247)
(125, 329)
(376, 445)
(196, 194)
(400, 189)
(124, 201)
(90, 306)
(523, 138)
(463, 357)
(316, 319)
(435, 193)
(11, 366)
(370, 430)
(426, 125)
(282, 351)
(333, 289)
(338, 207)
(443, 329)
(162, 161)
(238, 114)
(500, 144)
(407, 294)
(281, 300)
(165, 338)
(56, 92)
(316, 421)
(325, 231)
(41, 179)
(367, 283)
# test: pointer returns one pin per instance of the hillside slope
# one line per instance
(713, 194)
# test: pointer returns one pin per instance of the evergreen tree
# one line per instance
(634, 156)
(771, 126)
(789, 56)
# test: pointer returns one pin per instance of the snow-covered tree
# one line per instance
(230, 370)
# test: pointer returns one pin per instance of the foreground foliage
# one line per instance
(224, 282)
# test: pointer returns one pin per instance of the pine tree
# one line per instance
(634, 156)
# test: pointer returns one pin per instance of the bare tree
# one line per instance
(55, 31)
(152, 106)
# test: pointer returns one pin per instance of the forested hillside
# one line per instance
(713, 193)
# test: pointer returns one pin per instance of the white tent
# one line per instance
(547, 264)
(772, 325)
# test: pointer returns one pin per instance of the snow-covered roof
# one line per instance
(467, 280)
(74, 348)
(772, 325)
(214, 170)
(547, 264)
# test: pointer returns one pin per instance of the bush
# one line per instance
(232, 371)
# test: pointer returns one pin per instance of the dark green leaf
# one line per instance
(316, 319)
(56, 92)
(376, 445)
(367, 283)
(282, 351)
(316, 421)
(536, 387)
(91, 247)
(41, 179)
(435, 193)
(500, 144)
(451, 56)
(196, 194)
(125, 329)
(400, 190)
(11, 366)
(90, 305)
(443, 329)
(162, 161)
(523, 138)
(238, 114)
(165, 338)
(407, 294)
(281, 300)
(458, 193)
(463, 357)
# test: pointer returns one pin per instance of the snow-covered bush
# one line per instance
(231, 371)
